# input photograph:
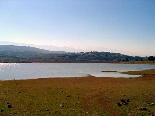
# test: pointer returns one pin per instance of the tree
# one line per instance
(150, 58)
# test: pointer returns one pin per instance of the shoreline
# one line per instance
(117, 62)
(142, 73)
(89, 76)
(79, 96)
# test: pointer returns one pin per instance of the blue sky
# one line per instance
(125, 26)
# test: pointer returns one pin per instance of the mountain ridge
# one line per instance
(15, 48)
(27, 54)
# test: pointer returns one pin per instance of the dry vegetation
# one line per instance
(81, 96)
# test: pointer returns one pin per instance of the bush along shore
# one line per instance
(82, 96)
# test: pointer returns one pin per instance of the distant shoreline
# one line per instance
(66, 62)
(129, 62)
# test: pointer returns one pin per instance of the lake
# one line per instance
(9, 71)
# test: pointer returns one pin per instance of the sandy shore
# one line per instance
(79, 96)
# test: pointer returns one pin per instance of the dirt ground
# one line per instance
(81, 96)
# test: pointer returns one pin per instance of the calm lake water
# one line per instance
(44, 70)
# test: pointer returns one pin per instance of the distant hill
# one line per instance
(26, 54)
(13, 48)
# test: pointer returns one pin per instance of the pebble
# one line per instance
(9, 106)
(143, 108)
(61, 105)
(119, 104)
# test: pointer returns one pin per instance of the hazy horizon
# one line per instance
(125, 27)
(66, 49)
